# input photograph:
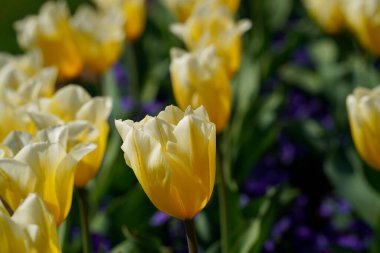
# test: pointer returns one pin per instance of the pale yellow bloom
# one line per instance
(173, 158)
(212, 24)
(72, 104)
(28, 64)
(45, 167)
(30, 229)
(200, 79)
(5, 151)
(51, 33)
(364, 114)
(134, 12)
(362, 18)
(14, 119)
(183, 9)
(99, 36)
(328, 13)
(232, 5)
(18, 88)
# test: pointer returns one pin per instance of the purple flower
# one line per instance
(100, 243)
(152, 108)
(121, 74)
(281, 227)
(127, 103)
(350, 242)
(159, 218)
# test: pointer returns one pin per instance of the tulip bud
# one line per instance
(200, 79)
(173, 158)
(364, 114)
(362, 18)
(31, 228)
(212, 24)
(134, 13)
(328, 13)
(99, 36)
(51, 33)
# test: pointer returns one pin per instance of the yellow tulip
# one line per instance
(134, 13)
(328, 14)
(5, 151)
(362, 18)
(73, 104)
(30, 229)
(212, 24)
(51, 33)
(99, 36)
(200, 79)
(183, 9)
(18, 89)
(364, 114)
(30, 225)
(28, 64)
(173, 158)
(232, 5)
(16, 120)
(45, 167)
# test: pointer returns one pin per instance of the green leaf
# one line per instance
(258, 228)
(324, 51)
(278, 11)
(345, 171)
(305, 79)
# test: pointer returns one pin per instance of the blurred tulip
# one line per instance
(200, 79)
(51, 33)
(328, 14)
(364, 114)
(212, 24)
(18, 89)
(30, 229)
(73, 104)
(28, 64)
(362, 18)
(232, 5)
(14, 119)
(99, 36)
(173, 157)
(134, 13)
(183, 9)
(44, 166)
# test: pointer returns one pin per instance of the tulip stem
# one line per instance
(83, 212)
(222, 202)
(190, 235)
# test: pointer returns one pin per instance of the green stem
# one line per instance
(222, 202)
(83, 212)
(190, 235)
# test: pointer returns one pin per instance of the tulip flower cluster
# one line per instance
(50, 142)
(361, 17)
(90, 41)
(203, 75)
